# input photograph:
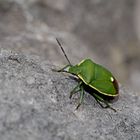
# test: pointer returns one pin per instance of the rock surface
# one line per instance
(35, 105)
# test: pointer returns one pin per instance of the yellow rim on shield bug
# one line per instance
(94, 76)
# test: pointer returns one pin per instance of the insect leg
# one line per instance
(61, 70)
(75, 89)
(82, 93)
(100, 99)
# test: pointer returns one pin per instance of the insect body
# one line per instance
(94, 76)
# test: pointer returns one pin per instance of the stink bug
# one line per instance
(93, 76)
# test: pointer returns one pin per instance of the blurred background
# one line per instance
(107, 31)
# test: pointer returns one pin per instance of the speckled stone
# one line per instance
(35, 105)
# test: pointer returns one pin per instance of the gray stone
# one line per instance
(35, 105)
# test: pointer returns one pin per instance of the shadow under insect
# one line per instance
(94, 93)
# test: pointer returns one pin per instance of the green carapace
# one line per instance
(95, 77)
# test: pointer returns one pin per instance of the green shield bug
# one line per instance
(93, 76)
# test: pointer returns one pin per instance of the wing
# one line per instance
(98, 77)
(104, 87)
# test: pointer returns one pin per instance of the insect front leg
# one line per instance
(62, 69)
(75, 89)
(82, 93)
(100, 99)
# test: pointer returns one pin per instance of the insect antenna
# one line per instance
(63, 51)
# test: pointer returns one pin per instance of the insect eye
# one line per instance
(112, 79)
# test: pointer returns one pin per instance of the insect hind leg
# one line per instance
(100, 99)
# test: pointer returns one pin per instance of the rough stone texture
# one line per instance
(35, 105)
(34, 101)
